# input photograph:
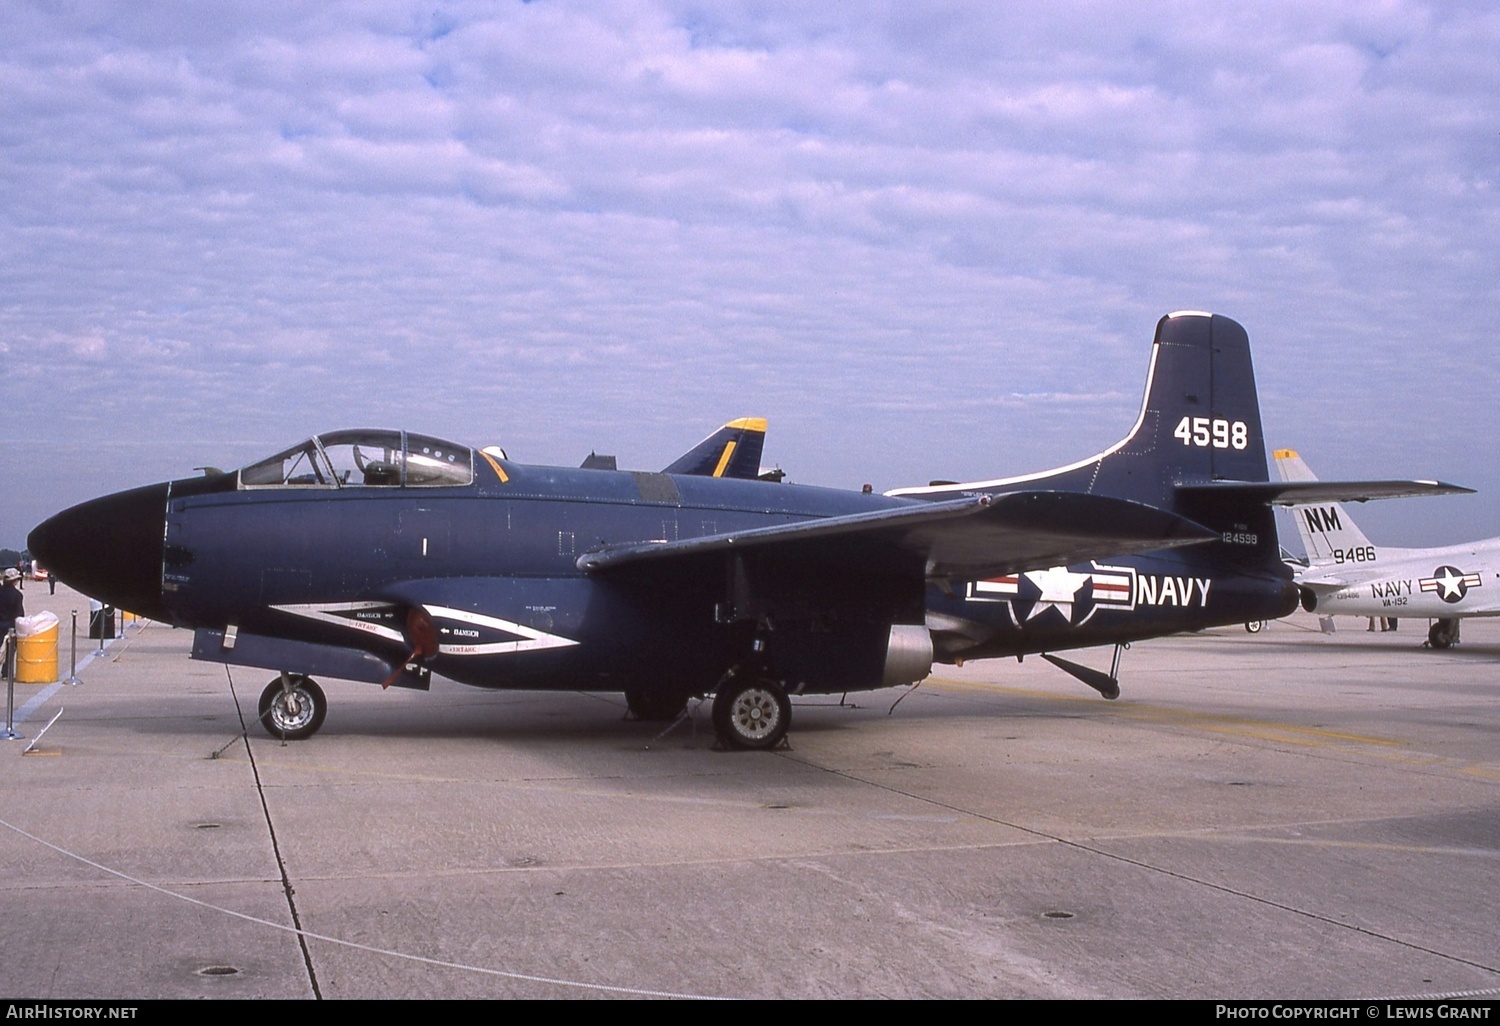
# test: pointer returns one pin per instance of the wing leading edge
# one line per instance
(970, 537)
(1297, 493)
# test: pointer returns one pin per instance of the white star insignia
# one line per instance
(1450, 584)
(1059, 589)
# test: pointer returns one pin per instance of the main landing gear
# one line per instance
(751, 714)
(1443, 633)
(292, 707)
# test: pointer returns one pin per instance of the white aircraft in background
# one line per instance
(1347, 574)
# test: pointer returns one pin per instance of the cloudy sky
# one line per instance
(924, 240)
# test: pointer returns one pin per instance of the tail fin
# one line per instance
(1197, 450)
(1324, 527)
(732, 451)
(1199, 422)
(1199, 425)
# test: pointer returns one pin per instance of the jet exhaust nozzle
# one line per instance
(908, 655)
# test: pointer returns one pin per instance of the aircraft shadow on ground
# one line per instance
(543, 718)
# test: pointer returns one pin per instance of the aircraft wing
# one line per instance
(1298, 493)
(974, 536)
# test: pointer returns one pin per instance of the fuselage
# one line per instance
(1451, 581)
(489, 551)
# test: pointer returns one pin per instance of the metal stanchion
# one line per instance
(73, 659)
(10, 688)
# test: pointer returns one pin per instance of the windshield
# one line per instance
(364, 459)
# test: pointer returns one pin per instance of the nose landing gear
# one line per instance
(292, 707)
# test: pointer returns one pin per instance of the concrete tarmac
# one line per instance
(1283, 815)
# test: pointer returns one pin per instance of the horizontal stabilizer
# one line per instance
(1297, 493)
(974, 536)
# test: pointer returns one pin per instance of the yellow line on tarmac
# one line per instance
(1262, 729)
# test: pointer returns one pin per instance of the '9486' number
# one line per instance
(1205, 432)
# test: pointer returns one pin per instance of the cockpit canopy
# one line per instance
(364, 459)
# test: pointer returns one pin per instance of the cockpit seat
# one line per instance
(379, 472)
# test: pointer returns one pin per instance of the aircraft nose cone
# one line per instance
(109, 548)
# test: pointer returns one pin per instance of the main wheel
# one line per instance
(1443, 633)
(753, 714)
(295, 714)
(1254, 626)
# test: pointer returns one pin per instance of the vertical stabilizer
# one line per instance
(732, 451)
(1200, 420)
(1325, 528)
(1199, 423)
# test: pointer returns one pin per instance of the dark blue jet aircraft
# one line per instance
(387, 556)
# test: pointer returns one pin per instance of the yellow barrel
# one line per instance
(36, 657)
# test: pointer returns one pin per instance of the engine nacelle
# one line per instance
(814, 658)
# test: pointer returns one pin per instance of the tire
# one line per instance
(655, 706)
(294, 715)
(751, 715)
(1443, 634)
(1254, 626)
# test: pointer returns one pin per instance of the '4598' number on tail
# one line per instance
(1205, 432)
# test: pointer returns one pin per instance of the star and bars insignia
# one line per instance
(1075, 595)
(1450, 583)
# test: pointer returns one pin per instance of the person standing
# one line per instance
(12, 608)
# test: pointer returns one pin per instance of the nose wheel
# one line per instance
(292, 707)
(751, 714)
